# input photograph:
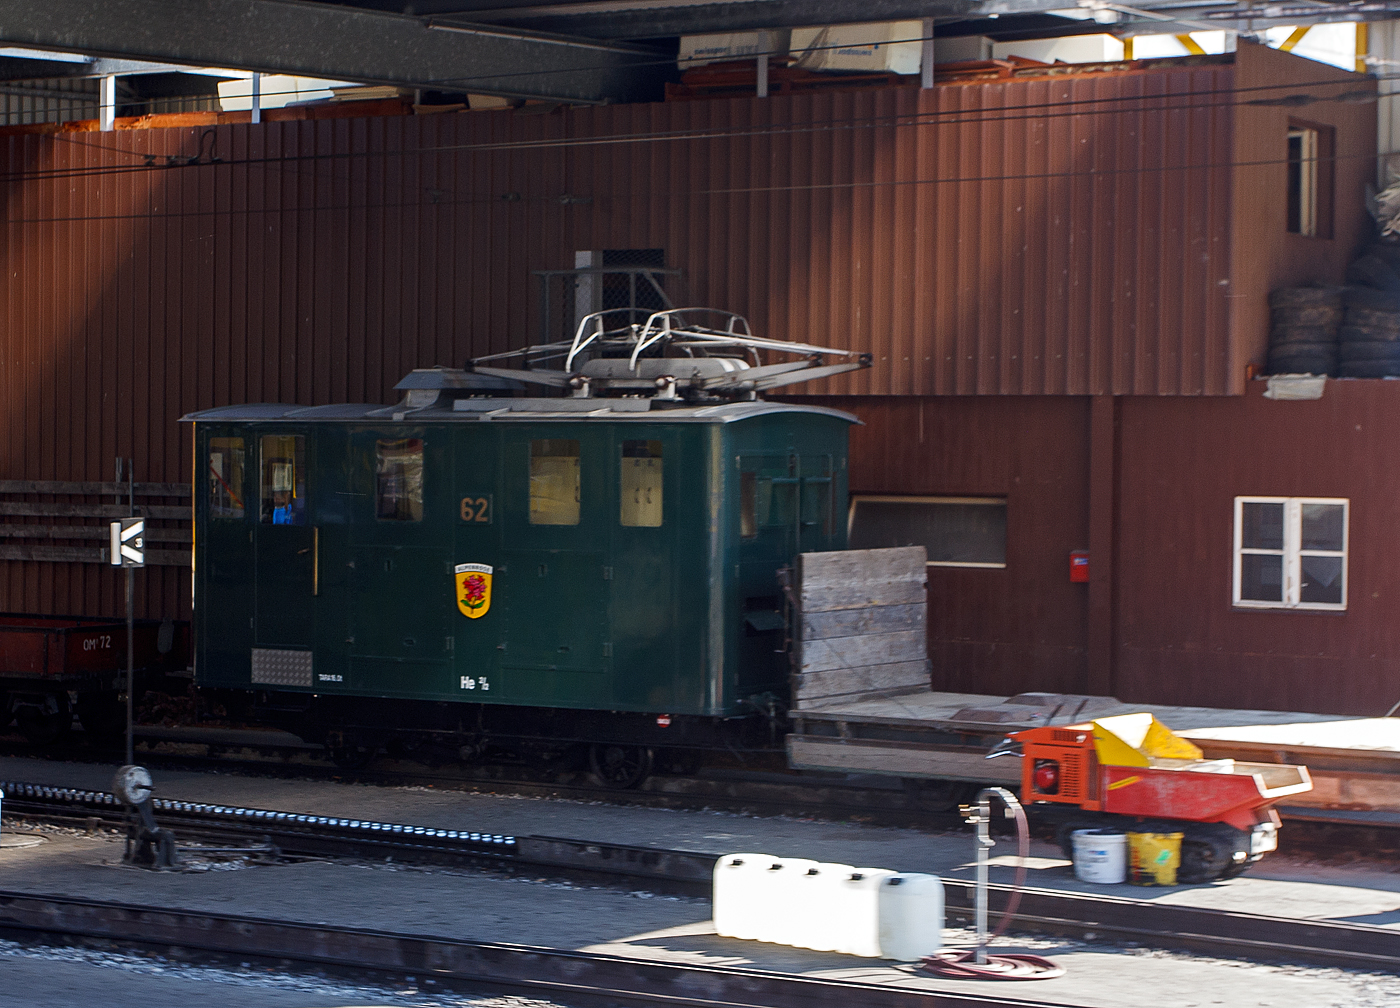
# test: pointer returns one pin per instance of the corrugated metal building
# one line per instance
(1027, 258)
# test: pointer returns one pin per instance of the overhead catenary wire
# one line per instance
(690, 194)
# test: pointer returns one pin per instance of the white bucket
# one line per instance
(1100, 855)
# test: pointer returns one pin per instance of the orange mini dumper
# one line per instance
(1130, 772)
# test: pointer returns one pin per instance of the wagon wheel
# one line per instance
(102, 716)
(45, 729)
(620, 766)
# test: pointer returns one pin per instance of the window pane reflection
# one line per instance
(1261, 526)
(283, 479)
(554, 482)
(226, 477)
(1261, 578)
(1324, 526)
(398, 469)
(640, 489)
(1322, 580)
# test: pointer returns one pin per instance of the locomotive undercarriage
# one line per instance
(621, 748)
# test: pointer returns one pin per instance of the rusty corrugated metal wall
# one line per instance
(975, 238)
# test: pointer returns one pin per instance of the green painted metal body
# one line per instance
(681, 618)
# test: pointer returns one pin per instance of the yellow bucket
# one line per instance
(1153, 858)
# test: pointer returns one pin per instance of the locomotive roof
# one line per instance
(511, 410)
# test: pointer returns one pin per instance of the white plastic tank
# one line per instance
(910, 916)
(855, 913)
(737, 880)
(818, 889)
(785, 884)
(1100, 856)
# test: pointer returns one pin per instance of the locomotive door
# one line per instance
(226, 510)
(400, 584)
(555, 584)
(644, 623)
(284, 544)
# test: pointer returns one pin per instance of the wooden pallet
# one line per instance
(69, 541)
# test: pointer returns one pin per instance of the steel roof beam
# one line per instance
(329, 41)
(658, 18)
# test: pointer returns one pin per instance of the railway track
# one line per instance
(579, 977)
(756, 788)
(762, 786)
(1088, 917)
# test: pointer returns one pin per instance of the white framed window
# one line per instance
(1291, 552)
(956, 531)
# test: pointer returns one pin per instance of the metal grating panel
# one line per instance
(281, 668)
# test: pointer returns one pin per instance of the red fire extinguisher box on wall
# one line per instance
(1079, 565)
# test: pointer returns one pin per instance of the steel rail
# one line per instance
(1194, 929)
(526, 968)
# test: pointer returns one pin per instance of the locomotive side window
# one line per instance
(748, 505)
(554, 482)
(767, 494)
(398, 470)
(283, 479)
(226, 477)
(641, 484)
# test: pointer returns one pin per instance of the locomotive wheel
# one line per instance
(45, 729)
(353, 757)
(620, 766)
(680, 762)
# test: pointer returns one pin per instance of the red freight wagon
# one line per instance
(47, 662)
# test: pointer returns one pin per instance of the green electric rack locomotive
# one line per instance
(481, 569)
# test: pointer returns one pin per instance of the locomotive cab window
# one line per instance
(226, 477)
(398, 469)
(283, 479)
(640, 488)
(767, 494)
(554, 482)
(748, 505)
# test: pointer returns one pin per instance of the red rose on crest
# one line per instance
(474, 591)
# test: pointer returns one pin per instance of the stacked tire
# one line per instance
(1304, 330)
(1369, 340)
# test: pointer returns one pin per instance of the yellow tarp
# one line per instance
(1137, 739)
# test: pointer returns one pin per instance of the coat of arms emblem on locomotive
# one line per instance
(473, 589)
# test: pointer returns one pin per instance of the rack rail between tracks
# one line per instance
(1113, 918)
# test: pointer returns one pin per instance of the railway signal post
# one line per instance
(128, 550)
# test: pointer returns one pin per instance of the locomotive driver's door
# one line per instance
(284, 544)
(400, 583)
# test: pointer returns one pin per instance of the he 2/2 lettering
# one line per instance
(475, 682)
